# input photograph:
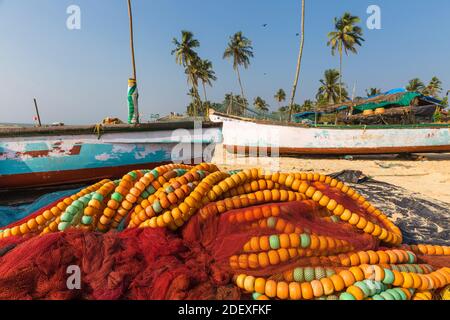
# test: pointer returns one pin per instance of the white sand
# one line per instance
(429, 176)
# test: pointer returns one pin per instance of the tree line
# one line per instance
(345, 38)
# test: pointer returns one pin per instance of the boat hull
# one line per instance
(237, 149)
(252, 137)
(63, 177)
(40, 159)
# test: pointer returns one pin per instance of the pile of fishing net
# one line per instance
(134, 264)
(195, 232)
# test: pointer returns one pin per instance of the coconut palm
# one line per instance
(191, 110)
(228, 102)
(260, 104)
(346, 36)
(241, 102)
(194, 73)
(372, 92)
(240, 50)
(308, 105)
(444, 102)
(184, 49)
(415, 85)
(330, 90)
(321, 101)
(434, 88)
(207, 75)
(280, 96)
(296, 108)
(186, 56)
(299, 60)
(283, 109)
(234, 104)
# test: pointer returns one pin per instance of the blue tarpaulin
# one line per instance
(10, 214)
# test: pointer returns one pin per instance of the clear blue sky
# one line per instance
(81, 76)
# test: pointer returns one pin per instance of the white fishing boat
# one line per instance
(244, 135)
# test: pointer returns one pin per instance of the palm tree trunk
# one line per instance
(299, 61)
(200, 102)
(204, 91)
(194, 94)
(130, 17)
(197, 97)
(242, 88)
(340, 73)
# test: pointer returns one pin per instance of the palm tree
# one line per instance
(228, 102)
(346, 36)
(241, 50)
(260, 104)
(194, 73)
(296, 108)
(184, 49)
(308, 105)
(299, 61)
(283, 109)
(188, 58)
(330, 90)
(444, 102)
(321, 101)
(372, 92)
(434, 88)
(280, 96)
(207, 75)
(241, 102)
(415, 85)
(190, 110)
(234, 104)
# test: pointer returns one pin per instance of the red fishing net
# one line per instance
(225, 235)
(156, 263)
(266, 234)
(135, 264)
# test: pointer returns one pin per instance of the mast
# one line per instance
(133, 95)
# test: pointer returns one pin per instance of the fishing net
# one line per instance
(195, 232)
(135, 264)
(240, 232)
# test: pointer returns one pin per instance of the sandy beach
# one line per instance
(428, 175)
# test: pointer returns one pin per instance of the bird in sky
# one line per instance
(264, 25)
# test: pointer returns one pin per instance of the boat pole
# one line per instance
(133, 95)
(37, 112)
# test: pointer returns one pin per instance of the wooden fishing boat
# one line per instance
(47, 156)
(243, 135)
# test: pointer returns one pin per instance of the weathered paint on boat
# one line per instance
(50, 156)
(242, 135)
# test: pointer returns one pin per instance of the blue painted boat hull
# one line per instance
(45, 159)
